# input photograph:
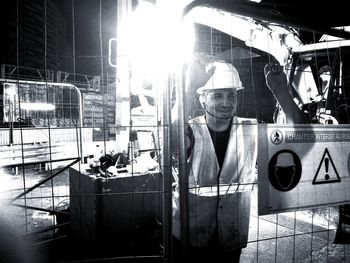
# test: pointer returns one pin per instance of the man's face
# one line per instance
(221, 103)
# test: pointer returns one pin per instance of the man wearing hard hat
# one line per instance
(222, 159)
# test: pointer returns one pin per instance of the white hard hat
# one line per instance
(285, 159)
(225, 77)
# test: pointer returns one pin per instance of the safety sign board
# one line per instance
(302, 166)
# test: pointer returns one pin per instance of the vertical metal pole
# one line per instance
(122, 119)
(74, 81)
(166, 164)
(183, 180)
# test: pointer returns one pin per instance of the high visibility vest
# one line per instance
(222, 201)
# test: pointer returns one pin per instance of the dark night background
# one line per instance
(89, 40)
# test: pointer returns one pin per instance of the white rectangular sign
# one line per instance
(302, 166)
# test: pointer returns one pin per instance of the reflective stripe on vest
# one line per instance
(222, 189)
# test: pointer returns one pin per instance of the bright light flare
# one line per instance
(159, 39)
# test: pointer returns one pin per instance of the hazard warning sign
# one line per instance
(302, 166)
(326, 172)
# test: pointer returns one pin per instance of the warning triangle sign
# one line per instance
(326, 171)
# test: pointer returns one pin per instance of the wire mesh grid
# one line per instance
(122, 217)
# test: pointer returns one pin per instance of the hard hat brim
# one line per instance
(202, 89)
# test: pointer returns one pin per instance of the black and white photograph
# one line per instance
(171, 131)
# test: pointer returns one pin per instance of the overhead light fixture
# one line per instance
(37, 106)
